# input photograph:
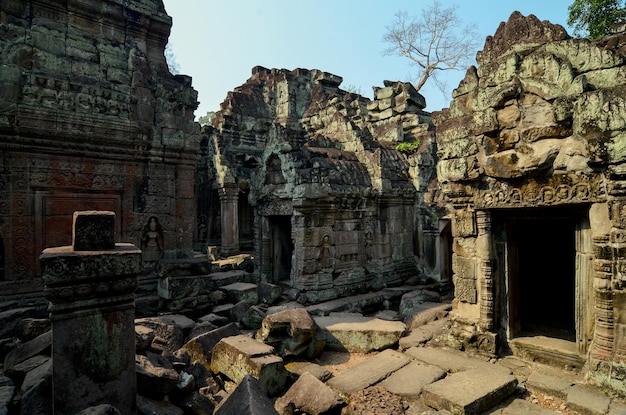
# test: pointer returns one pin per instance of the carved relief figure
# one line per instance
(326, 253)
(152, 241)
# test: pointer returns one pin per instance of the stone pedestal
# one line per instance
(92, 311)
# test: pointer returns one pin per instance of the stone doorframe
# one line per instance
(486, 251)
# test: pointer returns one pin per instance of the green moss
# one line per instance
(408, 148)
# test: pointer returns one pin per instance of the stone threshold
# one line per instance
(548, 350)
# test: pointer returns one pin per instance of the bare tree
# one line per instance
(170, 58)
(437, 41)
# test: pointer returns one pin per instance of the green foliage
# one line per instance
(206, 119)
(408, 148)
(595, 17)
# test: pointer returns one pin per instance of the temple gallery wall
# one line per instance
(514, 197)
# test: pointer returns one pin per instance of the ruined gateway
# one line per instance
(515, 195)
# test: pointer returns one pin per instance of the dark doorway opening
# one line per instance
(282, 247)
(542, 273)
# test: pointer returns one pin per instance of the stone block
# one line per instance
(356, 333)
(471, 392)
(587, 400)
(292, 333)
(180, 287)
(93, 231)
(153, 380)
(247, 398)
(269, 293)
(411, 379)
(39, 345)
(200, 348)
(309, 395)
(369, 372)
(36, 390)
(238, 356)
(241, 291)
(549, 385)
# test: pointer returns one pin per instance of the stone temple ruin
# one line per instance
(513, 199)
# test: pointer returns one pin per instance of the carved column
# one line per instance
(485, 269)
(229, 201)
(605, 321)
(91, 285)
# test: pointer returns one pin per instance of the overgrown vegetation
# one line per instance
(408, 148)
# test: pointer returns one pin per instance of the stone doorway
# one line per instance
(546, 292)
(281, 246)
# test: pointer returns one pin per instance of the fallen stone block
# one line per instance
(196, 403)
(220, 279)
(184, 267)
(522, 407)
(452, 360)
(201, 328)
(6, 395)
(369, 372)
(299, 368)
(549, 385)
(292, 333)
(39, 345)
(410, 380)
(19, 371)
(146, 406)
(309, 395)
(36, 390)
(587, 400)
(356, 333)
(176, 288)
(170, 331)
(200, 348)
(248, 398)
(238, 356)
(9, 319)
(154, 381)
(469, 393)
(421, 335)
(425, 313)
(269, 293)
(241, 291)
(30, 328)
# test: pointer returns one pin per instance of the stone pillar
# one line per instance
(91, 285)
(484, 255)
(229, 201)
(604, 336)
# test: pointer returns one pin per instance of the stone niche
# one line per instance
(532, 173)
(311, 173)
(90, 119)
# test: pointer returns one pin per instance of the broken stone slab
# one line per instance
(146, 406)
(425, 313)
(241, 291)
(347, 304)
(196, 403)
(201, 328)
(587, 400)
(411, 379)
(238, 356)
(184, 267)
(452, 360)
(292, 333)
(170, 331)
(180, 287)
(39, 345)
(269, 293)
(421, 335)
(299, 368)
(356, 333)
(471, 392)
(309, 395)
(214, 319)
(248, 398)
(19, 371)
(522, 407)
(36, 390)
(369, 372)
(154, 381)
(200, 348)
(549, 385)
(7, 390)
(220, 279)
(29, 328)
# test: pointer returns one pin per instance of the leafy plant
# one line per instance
(408, 148)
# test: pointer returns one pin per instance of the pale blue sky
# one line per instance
(217, 43)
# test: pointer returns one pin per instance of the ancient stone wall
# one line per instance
(535, 136)
(91, 118)
(336, 206)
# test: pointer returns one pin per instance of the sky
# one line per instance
(218, 43)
